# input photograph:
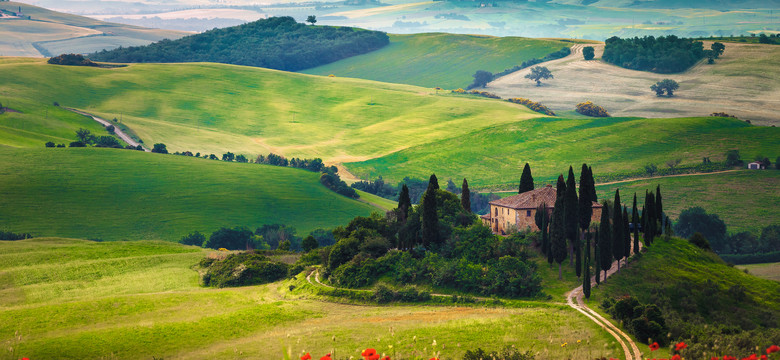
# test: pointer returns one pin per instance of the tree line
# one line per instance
(275, 43)
(664, 54)
(482, 77)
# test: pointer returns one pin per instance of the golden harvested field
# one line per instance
(744, 82)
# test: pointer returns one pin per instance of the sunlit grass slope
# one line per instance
(495, 156)
(137, 300)
(113, 194)
(745, 200)
(439, 59)
(214, 108)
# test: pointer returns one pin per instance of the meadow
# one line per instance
(770, 271)
(81, 299)
(742, 199)
(494, 158)
(50, 33)
(439, 59)
(215, 108)
(113, 194)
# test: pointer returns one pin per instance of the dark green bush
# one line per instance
(243, 269)
(195, 238)
(700, 241)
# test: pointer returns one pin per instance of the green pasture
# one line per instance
(439, 59)
(215, 108)
(494, 157)
(137, 300)
(745, 200)
(114, 194)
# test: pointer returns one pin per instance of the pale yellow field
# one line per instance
(744, 82)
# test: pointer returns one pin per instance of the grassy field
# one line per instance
(438, 59)
(114, 194)
(769, 271)
(742, 82)
(50, 33)
(214, 108)
(495, 157)
(127, 300)
(745, 200)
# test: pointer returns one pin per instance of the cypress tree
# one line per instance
(585, 207)
(605, 240)
(433, 183)
(651, 223)
(596, 257)
(592, 185)
(526, 180)
(617, 229)
(659, 209)
(542, 218)
(586, 278)
(571, 219)
(635, 221)
(465, 196)
(430, 218)
(558, 229)
(404, 203)
(626, 235)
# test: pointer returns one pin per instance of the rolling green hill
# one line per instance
(439, 59)
(42, 32)
(495, 156)
(743, 199)
(69, 298)
(130, 195)
(215, 108)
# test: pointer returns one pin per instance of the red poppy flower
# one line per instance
(434, 358)
(715, 358)
(654, 346)
(681, 345)
(374, 357)
(386, 358)
(368, 352)
(306, 357)
(772, 349)
(763, 357)
(326, 357)
(676, 357)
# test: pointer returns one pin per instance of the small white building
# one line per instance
(755, 166)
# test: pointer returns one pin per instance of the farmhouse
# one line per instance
(519, 211)
(756, 166)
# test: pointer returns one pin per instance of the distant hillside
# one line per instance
(33, 31)
(113, 194)
(676, 4)
(275, 43)
(439, 59)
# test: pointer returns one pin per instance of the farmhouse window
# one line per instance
(528, 213)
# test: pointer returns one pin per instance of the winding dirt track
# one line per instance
(121, 134)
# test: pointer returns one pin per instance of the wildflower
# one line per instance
(386, 358)
(374, 357)
(307, 356)
(579, 341)
(434, 342)
(654, 346)
(772, 349)
(681, 345)
(763, 357)
(715, 358)
(676, 357)
(434, 358)
(564, 344)
(368, 352)
(326, 357)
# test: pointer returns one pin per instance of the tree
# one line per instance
(539, 73)
(665, 85)
(696, 219)
(159, 148)
(733, 158)
(309, 243)
(481, 79)
(626, 235)
(651, 169)
(777, 163)
(605, 240)
(571, 220)
(465, 196)
(617, 229)
(558, 246)
(107, 142)
(635, 221)
(542, 219)
(50, 144)
(592, 185)
(596, 256)
(672, 164)
(588, 53)
(84, 136)
(650, 224)
(433, 183)
(717, 49)
(311, 19)
(229, 156)
(430, 217)
(585, 207)
(659, 207)
(110, 129)
(232, 239)
(241, 159)
(763, 39)
(526, 180)
(196, 239)
(586, 277)
(404, 203)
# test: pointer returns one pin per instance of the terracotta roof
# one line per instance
(486, 216)
(532, 199)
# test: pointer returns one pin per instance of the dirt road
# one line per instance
(122, 135)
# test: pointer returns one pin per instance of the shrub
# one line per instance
(700, 241)
(160, 148)
(535, 106)
(72, 60)
(50, 144)
(242, 269)
(107, 142)
(238, 238)
(590, 109)
(10, 236)
(195, 238)
(77, 144)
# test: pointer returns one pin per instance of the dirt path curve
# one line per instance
(575, 300)
(126, 138)
(663, 177)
